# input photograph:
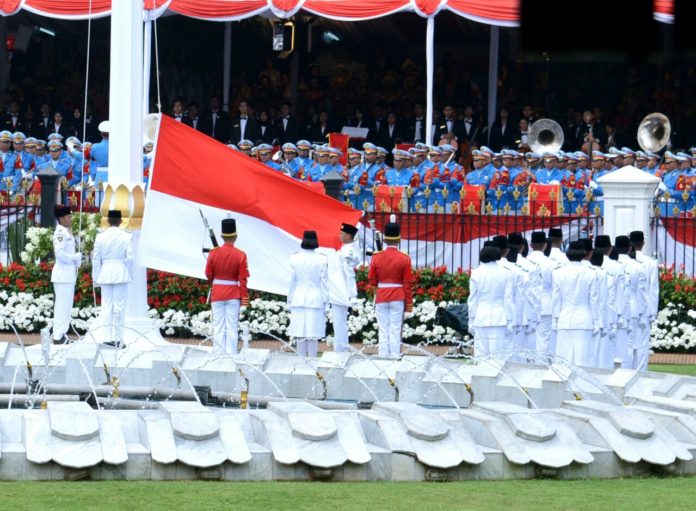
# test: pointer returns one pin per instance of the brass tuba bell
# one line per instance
(150, 123)
(546, 136)
(653, 132)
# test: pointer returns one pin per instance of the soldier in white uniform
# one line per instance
(637, 295)
(603, 303)
(349, 257)
(491, 305)
(64, 274)
(112, 261)
(618, 297)
(308, 296)
(532, 291)
(575, 317)
(519, 295)
(545, 337)
(642, 342)
(556, 241)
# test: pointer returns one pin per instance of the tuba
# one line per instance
(545, 136)
(653, 132)
(150, 122)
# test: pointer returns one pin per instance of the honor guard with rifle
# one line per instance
(227, 271)
(390, 273)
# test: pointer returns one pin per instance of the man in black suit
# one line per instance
(193, 118)
(448, 125)
(390, 132)
(42, 123)
(13, 120)
(287, 128)
(216, 122)
(245, 126)
(415, 132)
(178, 112)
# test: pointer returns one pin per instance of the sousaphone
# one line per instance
(545, 136)
(653, 132)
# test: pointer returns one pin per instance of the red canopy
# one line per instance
(493, 12)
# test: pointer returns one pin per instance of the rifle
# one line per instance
(211, 233)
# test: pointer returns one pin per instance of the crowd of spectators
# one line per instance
(384, 91)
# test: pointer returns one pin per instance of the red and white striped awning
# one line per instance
(492, 12)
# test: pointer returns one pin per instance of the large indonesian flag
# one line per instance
(191, 171)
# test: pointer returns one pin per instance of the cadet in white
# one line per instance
(64, 274)
(600, 340)
(556, 241)
(348, 259)
(519, 295)
(491, 305)
(531, 292)
(617, 298)
(576, 317)
(112, 264)
(545, 341)
(637, 294)
(308, 296)
(641, 351)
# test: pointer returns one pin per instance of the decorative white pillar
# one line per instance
(125, 185)
(628, 201)
(493, 52)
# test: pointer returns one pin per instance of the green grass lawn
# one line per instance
(614, 495)
(689, 370)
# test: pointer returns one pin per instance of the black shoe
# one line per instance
(64, 340)
(115, 344)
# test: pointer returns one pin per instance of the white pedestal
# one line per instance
(628, 201)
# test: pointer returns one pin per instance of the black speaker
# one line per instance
(612, 26)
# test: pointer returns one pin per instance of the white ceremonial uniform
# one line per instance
(531, 300)
(518, 338)
(642, 351)
(556, 254)
(63, 276)
(112, 267)
(617, 297)
(348, 259)
(545, 341)
(637, 295)
(307, 297)
(600, 340)
(575, 312)
(491, 308)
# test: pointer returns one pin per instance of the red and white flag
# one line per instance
(191, 171)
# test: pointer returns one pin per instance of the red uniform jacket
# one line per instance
(228, 263)
(392, 267)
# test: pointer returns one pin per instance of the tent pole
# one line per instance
(227, 67)
(493, 77)
(429, 65)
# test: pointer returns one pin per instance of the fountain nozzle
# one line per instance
(392, 382)
(176, 374)
(30, 370)
(244, 394)
(114, 387)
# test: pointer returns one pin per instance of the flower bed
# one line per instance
(179, 304)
